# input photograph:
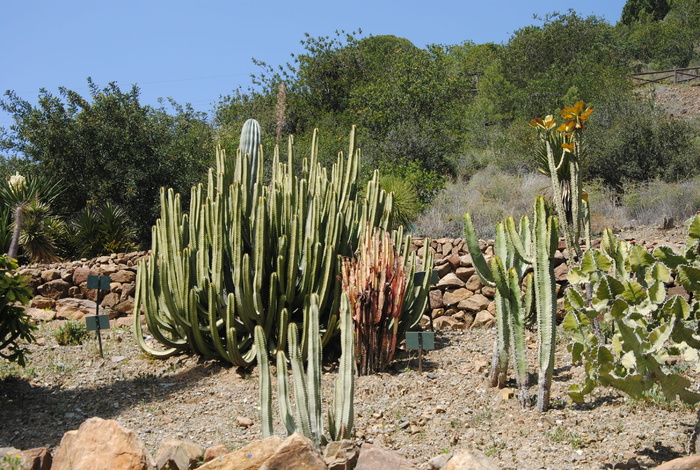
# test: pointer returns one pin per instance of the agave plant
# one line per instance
(97, 230)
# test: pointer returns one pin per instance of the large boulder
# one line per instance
(297, 451)
(373, 458)
(101, 444)
(250, 457)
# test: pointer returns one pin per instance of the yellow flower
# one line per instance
(546, 123)
(568, 147)
(575, 116)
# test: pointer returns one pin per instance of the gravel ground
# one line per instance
(447, 408)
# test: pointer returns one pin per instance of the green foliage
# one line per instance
(108, 147)
(15, 326)
(406, 205)
(98, 230)
(633, 140)
(644, 11)
(249, 254)
(624, 285)
(71, 333)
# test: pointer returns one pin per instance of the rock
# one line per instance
(297, 451)
(448, 323)
(101, 444)
(42, 302)
(435, 298)
(125, 307)
(438, 462)
(38, 458)
(341, 455)
(80, 275)
(474, 283)
(483, 319)
(250, 457)
(50, 274)
(691, 462)
(488, 291)
(244, 422)
(474, 303)
(443, 269)
(465, 273)
(561, 272)
(465, 260)
(373, 458)
(39, 314)
(56, 289)
(450, 280)
(174, 454)
(74, 309)
(110, 300)
(470, 460)
(455, 296)
(214, 452)
(123, 276)
(9, 451)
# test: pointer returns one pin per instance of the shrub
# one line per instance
(489, 196)
(648, 203)
(71, 333)
(14, 322)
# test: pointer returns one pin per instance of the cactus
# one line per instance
(249, 254)
(514, 249)
(628, 287)
(559, 157)
(376, 286)
(307, 385)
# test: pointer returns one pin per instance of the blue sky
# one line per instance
(196, 51)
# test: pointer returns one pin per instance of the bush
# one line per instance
(648, 203)
(489, 196)
(71, 333)
(14, 323)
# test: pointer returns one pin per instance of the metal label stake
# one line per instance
(420, 340)
(98, 322)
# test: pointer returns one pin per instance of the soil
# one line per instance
(446, 408)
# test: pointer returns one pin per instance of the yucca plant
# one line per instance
(98, 230)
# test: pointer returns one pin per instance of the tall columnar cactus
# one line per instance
(559, 157)
(250, 253)
(515, 292)
(307, 385)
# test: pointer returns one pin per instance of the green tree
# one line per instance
(109, 148)
(644, 11)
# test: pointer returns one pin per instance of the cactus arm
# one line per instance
(521, 246)
(265, 386)
(478, 260)
(545, 235)
(340, 419)
(499, 364)
(313, 372)
(283, 401)
(517, 328)
(251, 138)
(299, 380)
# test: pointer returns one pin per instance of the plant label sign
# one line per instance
(98, 322)
(422, 341)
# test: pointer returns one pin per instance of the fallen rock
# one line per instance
(692, 462)
(250, 457)
(341, 455)
(174, 454)
(101, 444)
(38, 458)
(297, 451)
(214, 452)
(40, 314)
(470, 460)
(374, 458)
(74, 309)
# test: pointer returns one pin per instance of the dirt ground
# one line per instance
(446, 408)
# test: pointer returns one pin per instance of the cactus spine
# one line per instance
(518, 247)
(249, 254)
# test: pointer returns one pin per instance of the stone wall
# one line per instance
(459, 300)
(61, 288)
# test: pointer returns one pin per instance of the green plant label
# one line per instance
(93, 321)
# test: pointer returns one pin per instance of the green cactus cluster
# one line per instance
(517, 290)
(250, 252)
(307, 385)
(625, 286)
